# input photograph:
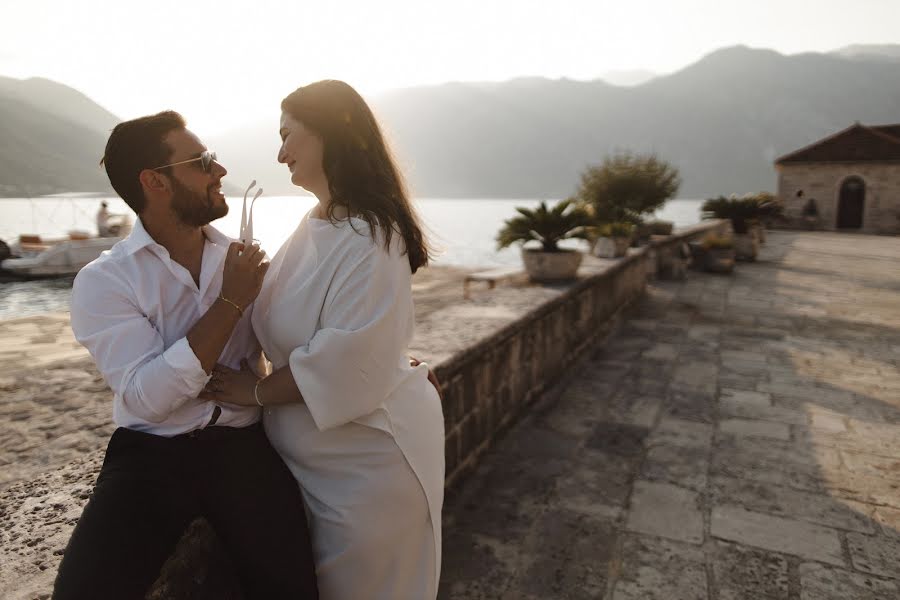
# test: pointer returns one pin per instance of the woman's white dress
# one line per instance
(367, 445)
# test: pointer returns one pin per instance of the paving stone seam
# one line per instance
(617, 560)
(712, 584)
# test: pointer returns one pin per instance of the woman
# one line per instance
(361, 430)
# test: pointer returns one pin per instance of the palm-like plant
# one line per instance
(548, 226)
(741, 211)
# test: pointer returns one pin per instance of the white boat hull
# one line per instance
(64, 258)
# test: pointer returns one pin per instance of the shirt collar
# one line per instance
(139, 238)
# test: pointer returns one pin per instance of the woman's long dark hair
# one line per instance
(360, 170)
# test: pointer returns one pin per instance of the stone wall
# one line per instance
(489, 384)
(881, 213)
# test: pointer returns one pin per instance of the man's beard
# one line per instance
(193, 208)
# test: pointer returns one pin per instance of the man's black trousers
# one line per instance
(149, 490)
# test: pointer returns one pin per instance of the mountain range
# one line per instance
(51, 139)
(722, 121)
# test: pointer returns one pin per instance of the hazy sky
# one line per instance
(223, 63)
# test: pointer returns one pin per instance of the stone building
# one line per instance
(847, 181)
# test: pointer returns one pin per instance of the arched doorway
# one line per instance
(851, 203)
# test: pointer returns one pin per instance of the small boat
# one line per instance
(35, 257)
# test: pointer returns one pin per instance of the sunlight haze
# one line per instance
(223, 64)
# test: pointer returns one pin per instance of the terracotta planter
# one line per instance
(672, 261)
(760, 231)
(719, 260)
(611, 247)
(746, 246)
(551, 266)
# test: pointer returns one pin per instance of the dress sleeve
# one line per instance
(351, 364)
(152, 380)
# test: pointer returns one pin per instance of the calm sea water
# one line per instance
(462, 230)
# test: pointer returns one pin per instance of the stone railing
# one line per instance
(487, 386)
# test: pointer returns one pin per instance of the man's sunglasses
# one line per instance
(206, 159)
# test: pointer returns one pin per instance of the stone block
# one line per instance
(732, 407)
(778, 534)
(821, 582)
(822, 509)
(746, 397)
(618, 439)
(681, 433)
(596, 483)
(888, 519)
(877, 466)
(663, 352)
(862, 488)
(655, 569)
(734, 380)
(567, 556)
(474, 566)
(752, 428)
(696, 376)
(667, 511)
(773, 462)
(743, 572)
(633, 409)
(693, 405)
(684, 466)
(805, 392)
(451, 451)
(875, 554)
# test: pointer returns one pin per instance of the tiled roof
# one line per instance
(858, 143)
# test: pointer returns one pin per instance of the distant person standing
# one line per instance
(112, 225)
(103, 226)
(810, 212)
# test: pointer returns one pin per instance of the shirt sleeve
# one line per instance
(351, 364)
(152, 380)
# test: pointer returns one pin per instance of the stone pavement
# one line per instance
(739, 437)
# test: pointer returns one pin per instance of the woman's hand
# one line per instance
(231, 386)
(415, 362)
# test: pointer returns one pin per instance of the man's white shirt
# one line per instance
(132, 309)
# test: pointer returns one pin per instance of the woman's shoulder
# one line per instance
(355, 236)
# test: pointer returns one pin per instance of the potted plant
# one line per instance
(548, 226)
(770, 210)
(612, 239)
(719, 253)
(742, 212)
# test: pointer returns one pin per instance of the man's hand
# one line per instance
(415, 362)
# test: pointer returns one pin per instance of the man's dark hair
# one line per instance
(137, 145)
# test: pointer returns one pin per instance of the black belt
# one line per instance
(217, 412)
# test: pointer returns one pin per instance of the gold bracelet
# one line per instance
(256, 391)
(239, 309)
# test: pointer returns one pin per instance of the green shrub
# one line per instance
(660, 227)
(616, 230)
(627, 186)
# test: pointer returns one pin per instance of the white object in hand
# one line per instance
(247, 216)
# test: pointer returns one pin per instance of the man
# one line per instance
(157, 312)
(103, 220)
(810, 211)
